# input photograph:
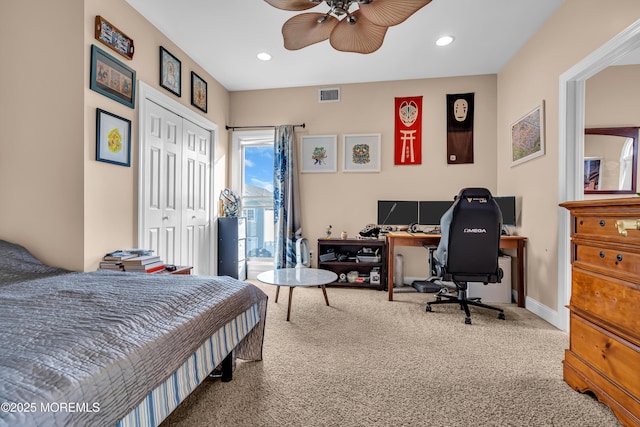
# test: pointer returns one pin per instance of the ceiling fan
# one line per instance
(361, 30)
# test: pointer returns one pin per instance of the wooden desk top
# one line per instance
(408, 235)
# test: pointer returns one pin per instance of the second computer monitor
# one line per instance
(431, 211)
(507, 206)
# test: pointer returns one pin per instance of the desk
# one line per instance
(403, 238)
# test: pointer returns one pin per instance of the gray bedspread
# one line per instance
(95, 344)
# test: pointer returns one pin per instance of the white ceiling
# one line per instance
(224, 38)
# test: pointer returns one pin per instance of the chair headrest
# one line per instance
(474, 192)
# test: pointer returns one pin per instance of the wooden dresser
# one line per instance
(604, 349)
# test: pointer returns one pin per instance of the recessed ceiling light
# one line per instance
(264, 56)
(444, 40)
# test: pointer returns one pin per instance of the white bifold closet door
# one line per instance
(176, 162)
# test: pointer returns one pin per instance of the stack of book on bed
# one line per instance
(113, 260)
(137, 260)
(143, 264)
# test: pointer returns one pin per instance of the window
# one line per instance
(253, 167)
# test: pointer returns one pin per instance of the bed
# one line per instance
(110, 348)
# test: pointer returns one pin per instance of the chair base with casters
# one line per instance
(464, 302)
(461, 288)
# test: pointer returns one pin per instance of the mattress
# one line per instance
(158, 404)
(86, 348)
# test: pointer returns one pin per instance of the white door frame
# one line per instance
(571, 146)
(146, 92)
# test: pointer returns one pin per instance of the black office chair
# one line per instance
(469, 248)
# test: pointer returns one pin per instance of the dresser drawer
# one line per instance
(604, 227)
(613, 357)
(607, 301)
(619, 261)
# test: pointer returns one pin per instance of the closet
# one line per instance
(175, 188)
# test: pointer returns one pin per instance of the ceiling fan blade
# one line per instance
(292, 4)
(391, 12)
(362, 37)
(304, 30)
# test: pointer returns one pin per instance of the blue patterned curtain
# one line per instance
(286, 197)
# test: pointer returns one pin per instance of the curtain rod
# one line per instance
(258, 127)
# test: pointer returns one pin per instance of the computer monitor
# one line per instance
(507, 205)
(431, 211)
(397, 212)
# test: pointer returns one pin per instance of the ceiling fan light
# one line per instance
(264, 56)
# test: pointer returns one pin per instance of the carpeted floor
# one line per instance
(365, 361)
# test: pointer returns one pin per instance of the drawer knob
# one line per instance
(627, 224)
(601, 254)
(619, 257)
(602, 223)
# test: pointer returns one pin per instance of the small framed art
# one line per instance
(113, 38)
(198, 92)
(170, 72)
(112, 78)
(113, 138)
(319, 153)
(527, 136)
(362, 153)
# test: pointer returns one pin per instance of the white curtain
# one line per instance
(286, 197)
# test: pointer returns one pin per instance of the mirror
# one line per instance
(610, 160)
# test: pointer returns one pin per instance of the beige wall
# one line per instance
(42, 122)
(64, 206)
(348, 201)
(576, 29)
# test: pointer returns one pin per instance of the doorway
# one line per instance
(571, 145)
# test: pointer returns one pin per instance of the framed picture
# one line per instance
(319, 153)
(170, 72)
(113, 138)
(527, 136)
(112, 78)
(592, 173)
(113, 37)
(362, 153)
(198, 92)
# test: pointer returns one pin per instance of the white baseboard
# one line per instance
(545, 313)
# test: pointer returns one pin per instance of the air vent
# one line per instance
(329, 95)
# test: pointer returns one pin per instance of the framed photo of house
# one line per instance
(198, 92)
(319, 153)
(362, 153)
(113, 138)
(527, 136)
(112, 78)
(170, 72)
(592, 173)
(112, 37)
